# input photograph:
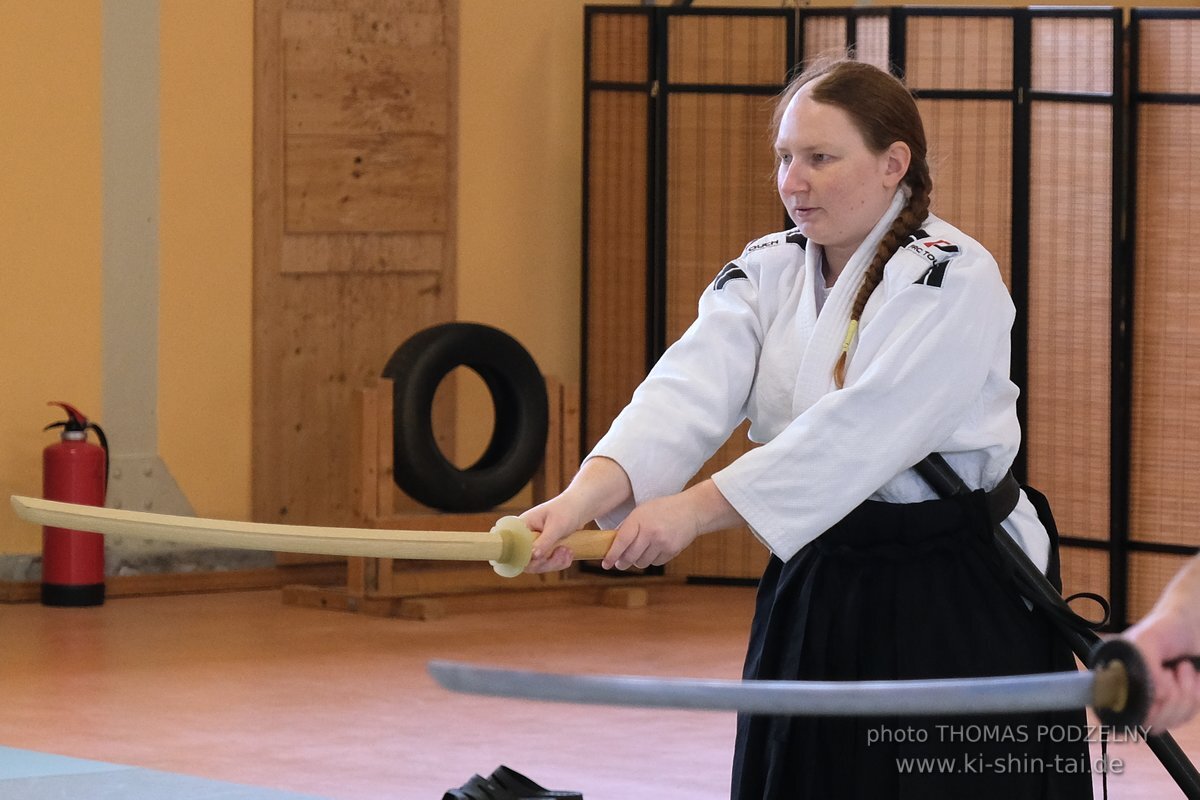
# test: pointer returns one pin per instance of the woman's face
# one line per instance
(835, 189)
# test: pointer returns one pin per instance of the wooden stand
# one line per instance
(430, 590)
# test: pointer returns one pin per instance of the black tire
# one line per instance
(518, 442)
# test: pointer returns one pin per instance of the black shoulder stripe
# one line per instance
(934, 275)
(729, 272)
(796, 238)
(937, 252)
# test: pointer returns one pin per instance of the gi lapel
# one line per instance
(815, 376)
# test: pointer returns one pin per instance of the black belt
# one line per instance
(1003, 499)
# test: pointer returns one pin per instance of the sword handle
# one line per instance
(518, 545)
(589, 544)
(1123, 692)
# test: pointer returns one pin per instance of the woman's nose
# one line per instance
(792, 178)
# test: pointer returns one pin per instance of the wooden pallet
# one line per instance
(428, 590)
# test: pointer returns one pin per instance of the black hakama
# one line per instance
(905, 591)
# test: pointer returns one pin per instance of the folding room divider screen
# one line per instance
(1026, 115)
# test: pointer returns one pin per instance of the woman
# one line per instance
(867, 337)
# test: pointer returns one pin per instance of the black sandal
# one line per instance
(506, 784)
(525, 789)
(478, 788)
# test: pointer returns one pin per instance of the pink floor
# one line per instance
(239, 687)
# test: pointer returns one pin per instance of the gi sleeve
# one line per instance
(694, 396)
(920, 366)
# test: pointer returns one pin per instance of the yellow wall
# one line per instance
(49, 235)
(205, 226)
(520, 110)
(520, 151)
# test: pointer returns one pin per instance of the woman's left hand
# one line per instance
(658, 530)
(653, 534)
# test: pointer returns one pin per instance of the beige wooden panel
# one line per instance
(970, 150)
(366, 184)
(1072, 55)
(824, 36)
(717, 49)
(365, 88)
(616, 255)
(413, 22)
(959, 52)
(378, 252)
(1070, 317)
(1165, 458)
(1169, 52)
(323, 330)
(620, 48)
(719, 197)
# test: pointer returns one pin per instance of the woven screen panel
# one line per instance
(1169, 55)
(720, 192)
(970, 159)
(1084, 570)
(616, 256)
(620, 48)
(1070, 313)
(1072, 55)
(959, 52)
(1149, 574)
(717, 49)
(720, 196)
(824, 36)
(1165, 459)
(872, 40)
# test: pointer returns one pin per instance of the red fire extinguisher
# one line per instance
(75, 471)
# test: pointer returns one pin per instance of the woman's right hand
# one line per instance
(600, 486)
(553, 521)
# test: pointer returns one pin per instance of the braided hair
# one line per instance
(884, 112)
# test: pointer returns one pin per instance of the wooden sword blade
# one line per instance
(334, 541)
(506, 546)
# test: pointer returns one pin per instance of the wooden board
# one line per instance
(354, 173)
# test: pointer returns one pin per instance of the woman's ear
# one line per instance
(895, 164)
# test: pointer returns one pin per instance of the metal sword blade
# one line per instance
(952, 696)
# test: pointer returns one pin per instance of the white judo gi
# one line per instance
(928, 372)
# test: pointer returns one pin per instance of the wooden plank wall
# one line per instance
(354, 230)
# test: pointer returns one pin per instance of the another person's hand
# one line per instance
(1164, 635)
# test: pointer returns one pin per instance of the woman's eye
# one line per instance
(820, 158)
(784, 158)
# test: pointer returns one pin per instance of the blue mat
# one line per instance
(28, 775)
